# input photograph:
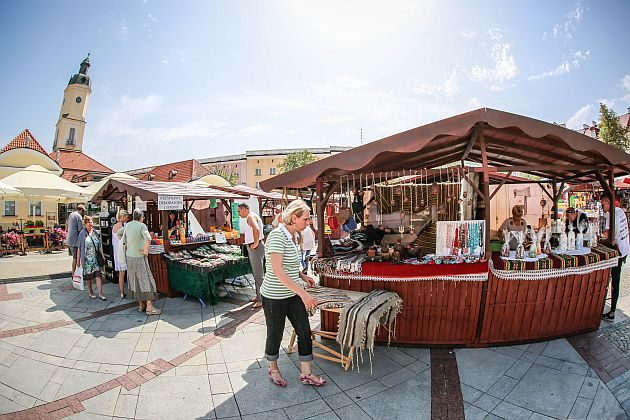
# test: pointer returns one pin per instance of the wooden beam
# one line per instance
(500, 185)
(165, 239)
(486, 189)
(545, 190)
(321, 211)
(613, 208)
(476, 188)
(545, 153)
(604, 184)
(567, 168)
(471, 143)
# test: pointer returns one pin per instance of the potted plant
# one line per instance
(39, 226)
(29, 226)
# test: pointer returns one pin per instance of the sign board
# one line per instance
(170, 202)
(235, 217)
(141, 205)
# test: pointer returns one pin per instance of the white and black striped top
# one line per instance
(278, 242)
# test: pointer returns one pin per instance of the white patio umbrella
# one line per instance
(8, 191)
(96, 187)
(36, 181)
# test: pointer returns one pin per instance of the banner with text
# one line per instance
(170, 202)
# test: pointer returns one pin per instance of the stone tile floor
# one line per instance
(65, 355)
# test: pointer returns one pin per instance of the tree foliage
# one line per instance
(227, 173)
(296, 159)
(611, 131)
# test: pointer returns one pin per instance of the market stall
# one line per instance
(180, 260)
(432, 184)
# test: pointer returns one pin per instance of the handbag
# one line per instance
(121, 248)
(77, 279)
(99, 257)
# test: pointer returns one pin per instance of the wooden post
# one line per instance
(321, 211)
(165, 238)
(486, 188)
(613, 208)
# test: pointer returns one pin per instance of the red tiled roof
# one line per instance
(24, 140)
(74, 162)
(625, 120)
(187, 170)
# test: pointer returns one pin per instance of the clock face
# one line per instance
(78, 99)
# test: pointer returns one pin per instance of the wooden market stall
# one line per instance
(470, 296)
(268, 202)
(151, 196)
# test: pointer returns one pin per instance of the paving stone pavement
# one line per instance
(82, 358)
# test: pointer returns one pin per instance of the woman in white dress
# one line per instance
(120, 263)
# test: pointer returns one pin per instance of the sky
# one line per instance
(175, 80)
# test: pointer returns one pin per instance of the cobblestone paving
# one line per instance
(619, 335)
(624, 288)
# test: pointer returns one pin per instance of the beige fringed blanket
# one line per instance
(358, 321)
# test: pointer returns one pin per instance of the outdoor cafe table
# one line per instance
(487, 303)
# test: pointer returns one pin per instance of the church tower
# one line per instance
(71, 122)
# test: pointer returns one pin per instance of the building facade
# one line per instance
(255, 166)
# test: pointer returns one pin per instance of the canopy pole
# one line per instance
(165, 238)
(320, 209)
(486, 188)
(613, 207)
(503, 181)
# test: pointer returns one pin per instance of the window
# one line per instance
(258, 172)
(272, 171)
(258, 185)
(34, 208)
(70, 140)
(9, 208)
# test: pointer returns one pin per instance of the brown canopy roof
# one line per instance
(513, 142)
(117, 189)
(255, 192)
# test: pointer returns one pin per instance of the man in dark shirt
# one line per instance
(73, 227)
(574, 218)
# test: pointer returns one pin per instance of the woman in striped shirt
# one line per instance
(284, 297)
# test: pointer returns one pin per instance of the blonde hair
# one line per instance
(297, 208)
(121, 213)
(87, 219)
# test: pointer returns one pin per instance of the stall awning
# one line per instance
(513, 141)
(118, 189)
(255, 192)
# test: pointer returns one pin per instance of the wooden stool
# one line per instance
(332, 355)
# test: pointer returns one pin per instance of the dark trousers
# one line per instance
(615, 273)
(276, 313)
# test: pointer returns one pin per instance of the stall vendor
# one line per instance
(173, 225)
(574, 218)
(516, 223)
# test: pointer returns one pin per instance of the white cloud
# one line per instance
(580, 117)
(565, 67)
(495, 33)
(504, 65)
(132, 117)
(626, 82)
(254, 130)
(474, 103)
(468, 33)
(152, 18)
(448, 88)
(566, 30)
(123, 29)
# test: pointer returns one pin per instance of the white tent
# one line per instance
(36, 181)
(94, 188)
(8, 191)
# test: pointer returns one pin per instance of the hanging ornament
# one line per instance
(465, 194)
(470, 201)
(543, 202)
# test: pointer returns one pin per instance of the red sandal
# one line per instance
(279, 382)
(307, 380)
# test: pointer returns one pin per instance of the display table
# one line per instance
(481, 304)
(35, 236)
(201, 283)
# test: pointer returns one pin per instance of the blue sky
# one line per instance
(194, 79)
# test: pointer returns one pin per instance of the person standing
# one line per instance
(308, 243)
(89, 245)
(253, 228)
(120, 263)
(74, 226)
(623, 246)
(284, 297)
(140, 281)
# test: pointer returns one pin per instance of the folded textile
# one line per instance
(359, 320)
(327, 297)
